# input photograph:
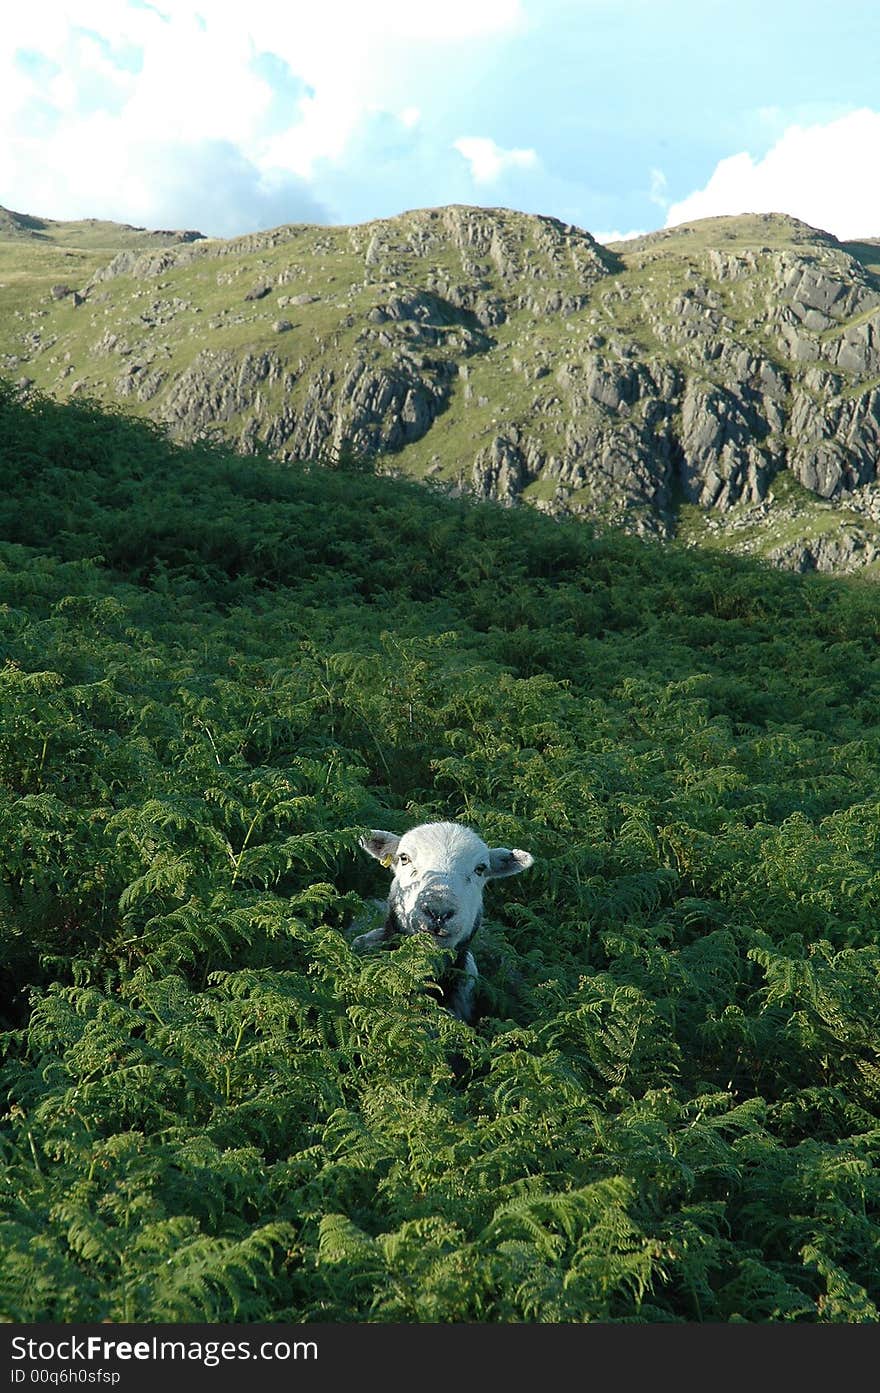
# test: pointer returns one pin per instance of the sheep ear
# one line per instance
(503, 862)
(381, 844)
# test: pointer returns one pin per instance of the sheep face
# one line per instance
(440, 872)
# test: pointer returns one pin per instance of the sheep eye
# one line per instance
(403, 859)
(481, 869)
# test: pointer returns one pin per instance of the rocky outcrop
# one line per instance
(836, 441)
(723, 456)
(218, 386)
(500, 471)
(369, 408)
(845, 550)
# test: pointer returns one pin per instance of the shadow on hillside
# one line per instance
(868, 253)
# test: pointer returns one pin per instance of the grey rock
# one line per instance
(721, 437)
(499, 471)
(216, 387)
(137, 381)
(847, 550)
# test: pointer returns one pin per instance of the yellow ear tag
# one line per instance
(386, 860)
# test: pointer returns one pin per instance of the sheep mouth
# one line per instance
(432, 932)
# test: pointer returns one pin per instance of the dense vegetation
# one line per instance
(217, 673)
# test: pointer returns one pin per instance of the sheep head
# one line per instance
(440, 872)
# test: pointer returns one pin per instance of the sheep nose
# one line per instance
(438, 912)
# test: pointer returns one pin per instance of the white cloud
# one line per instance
(657, 192)
(488, 161)
(106, 106)
(606, 237)
(823, 174)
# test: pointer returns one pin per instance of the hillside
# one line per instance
(718, 382)
(216, 675)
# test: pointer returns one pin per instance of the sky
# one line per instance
(620, 116)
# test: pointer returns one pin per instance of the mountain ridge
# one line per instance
(718, 382)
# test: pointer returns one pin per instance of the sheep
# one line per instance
(440, 872)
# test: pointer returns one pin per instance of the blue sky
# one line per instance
(621, 116)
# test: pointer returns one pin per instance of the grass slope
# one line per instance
(216, 674)
(37, 253)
